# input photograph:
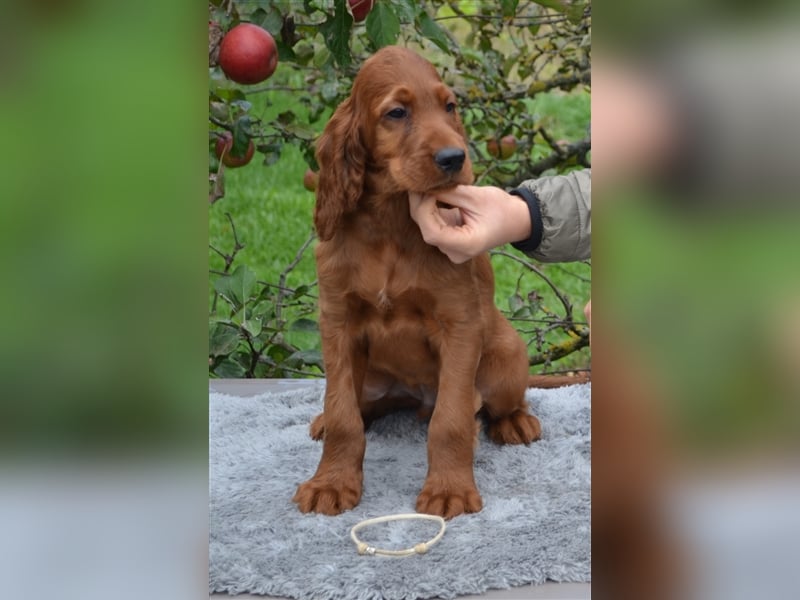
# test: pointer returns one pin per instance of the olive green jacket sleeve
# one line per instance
(561, 217)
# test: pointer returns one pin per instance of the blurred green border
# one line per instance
(103, 231)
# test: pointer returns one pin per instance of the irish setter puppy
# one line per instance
(401, 325)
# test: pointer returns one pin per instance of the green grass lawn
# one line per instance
(272, 213)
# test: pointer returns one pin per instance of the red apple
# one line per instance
(310, 180)
(360, 9)
(248, 54)
(504, 149)
(224, 147)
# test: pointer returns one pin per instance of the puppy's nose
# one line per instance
(450, 160)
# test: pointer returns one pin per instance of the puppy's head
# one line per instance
(400, 121)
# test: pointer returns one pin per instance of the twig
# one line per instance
(559, 149)
(219, 123)
(228, 258)
(578, 149)
(284, 274)
(556, 351)
(559, 323)
(575, 275)
(516, 21)
(564, 301)
(287, 290)
(291, 370)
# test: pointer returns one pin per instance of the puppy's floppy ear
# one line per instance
(342, 157)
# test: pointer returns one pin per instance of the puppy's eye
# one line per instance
(450, 107)
(397, 113)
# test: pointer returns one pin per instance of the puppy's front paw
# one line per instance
(329, 495)
(517, 428)
(449, 501)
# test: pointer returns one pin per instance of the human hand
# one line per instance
(479, 218)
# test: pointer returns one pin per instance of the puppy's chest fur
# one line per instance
(388, 285)
(391, 304)
(401, 296)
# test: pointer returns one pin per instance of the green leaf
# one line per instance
(471, 55)
(336, 33)
(322, 58)
(252, 326)
(557, 5)
(329, 90)
(383, 26)
(310, 158)
(269, 19)
(237, 287)
(277, 353)
(431, 30)
(304, 325)
(286, 117)
(304, 52)
(404, 9)
(285, 53)
(264, 310)
(509, 7)
(515, 302)
(222, 340)
(245, 281)
(229, 369)
(522, 313)
(223, 287)
(301, 131)
(219, 110)
(241, 136)
(244, 105)
(572, 10)
(300, 291)
(271, 152)
(230, 94)
(306, 357)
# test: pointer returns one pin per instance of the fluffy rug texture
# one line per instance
(534, 527)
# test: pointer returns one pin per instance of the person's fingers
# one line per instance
(440, 226)
(457, 257)
(424, 212)
(431, 217)
(451, 216)
(415, 205)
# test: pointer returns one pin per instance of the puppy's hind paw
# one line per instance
(517, 428)
(317, 428)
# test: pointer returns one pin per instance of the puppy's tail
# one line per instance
(557, 381)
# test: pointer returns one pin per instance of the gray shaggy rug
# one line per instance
(534, 527)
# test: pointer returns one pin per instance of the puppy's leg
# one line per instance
(449, 488)
(337, 484)
(502, 380)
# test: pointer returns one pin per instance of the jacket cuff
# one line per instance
(532, 243)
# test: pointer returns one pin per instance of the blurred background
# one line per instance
(105, 299)
(695, 122)
(103, 408)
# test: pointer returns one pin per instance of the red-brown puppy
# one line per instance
(400, 323)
